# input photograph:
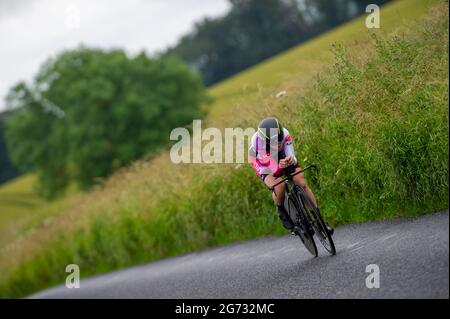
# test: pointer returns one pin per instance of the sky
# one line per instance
(31, 31)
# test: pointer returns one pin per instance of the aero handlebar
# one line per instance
(312, 165)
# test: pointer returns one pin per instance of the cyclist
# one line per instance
(272, 155)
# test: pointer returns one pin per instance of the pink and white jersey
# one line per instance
(261, 159)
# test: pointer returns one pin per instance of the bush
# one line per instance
(90, 112)
(379, 131)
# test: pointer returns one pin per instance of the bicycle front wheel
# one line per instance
(317, 222)
(301, 229)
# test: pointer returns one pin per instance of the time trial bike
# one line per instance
(307, 219)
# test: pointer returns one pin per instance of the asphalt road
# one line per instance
(412, 256)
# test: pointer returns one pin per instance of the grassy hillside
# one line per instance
(15, 194)
(375, 121)
(17, 199)
(293, 68)
(22, 208)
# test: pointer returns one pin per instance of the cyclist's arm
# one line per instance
(289, 147)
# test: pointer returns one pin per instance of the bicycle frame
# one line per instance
(306, 217)
(290, 188)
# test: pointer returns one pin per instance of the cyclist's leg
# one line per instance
(278, 193)
(300, 180)
(278, 197)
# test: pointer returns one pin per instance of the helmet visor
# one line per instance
(271, 136)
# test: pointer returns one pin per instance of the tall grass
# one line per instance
(379, 131)
(377, 127)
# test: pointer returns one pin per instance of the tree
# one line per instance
(254, 30)
(90, 112)
(330, 13)
(7, 170)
